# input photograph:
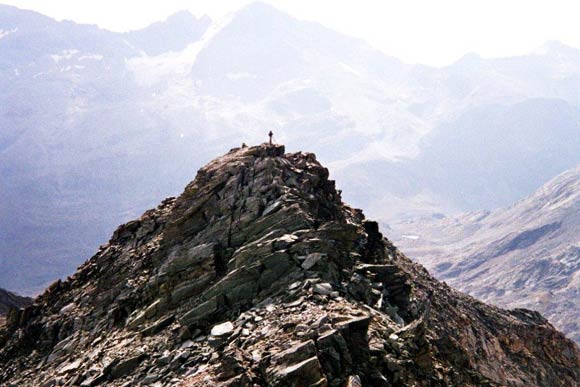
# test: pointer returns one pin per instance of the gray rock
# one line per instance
(158, 325)
(223, 329)
(184, 257)
(201, 312)
(306, 373)
(311, 260)
(191, 287)
(70, 367)
(126, 366)
(150, 378)
(323, 289)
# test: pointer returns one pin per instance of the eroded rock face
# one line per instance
(258, 274)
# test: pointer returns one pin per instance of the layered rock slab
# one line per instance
(258, 274)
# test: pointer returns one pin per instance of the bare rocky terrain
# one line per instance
(259, 275)
(523, 256)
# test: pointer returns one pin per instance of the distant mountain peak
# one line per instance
(469, 59)
(261, 12)
(556, 48)
(181, 18)
(563, 191)
(182, 15)
(173, 34)
(260, 6)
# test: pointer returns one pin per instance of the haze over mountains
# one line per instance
(523, 256)
(97, 126)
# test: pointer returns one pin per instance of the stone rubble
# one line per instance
(259, 275)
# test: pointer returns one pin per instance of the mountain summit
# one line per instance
(259, 275)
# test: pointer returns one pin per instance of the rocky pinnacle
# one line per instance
(259, 275)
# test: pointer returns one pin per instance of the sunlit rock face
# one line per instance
(259, 274)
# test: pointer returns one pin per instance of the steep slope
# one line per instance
(258, 274)
(98, 126)
(526, 255)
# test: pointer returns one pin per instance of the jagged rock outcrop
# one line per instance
(259, 275)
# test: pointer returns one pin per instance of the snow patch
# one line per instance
(241, 75)
(95, 57)
(412, 237)
(150, 69)
(64, 55)
(350, 69)
(5, 33)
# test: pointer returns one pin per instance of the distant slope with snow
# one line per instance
(523, 256)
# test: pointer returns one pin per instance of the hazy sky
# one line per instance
(434, 32)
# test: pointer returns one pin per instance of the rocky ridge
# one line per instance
(259, 275)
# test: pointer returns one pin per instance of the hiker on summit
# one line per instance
(270, 135)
